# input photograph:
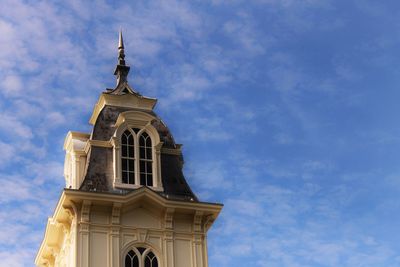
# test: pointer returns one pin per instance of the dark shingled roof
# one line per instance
(99, 166)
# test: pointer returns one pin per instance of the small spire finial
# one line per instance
(121, 50)
(121, 40)
(122, 70)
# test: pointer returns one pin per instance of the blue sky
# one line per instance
(287, 109)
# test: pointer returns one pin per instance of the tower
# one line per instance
(126, 201)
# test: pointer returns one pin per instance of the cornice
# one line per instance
(110, 198)
(127, 100)
(171, 151)
(74, 136)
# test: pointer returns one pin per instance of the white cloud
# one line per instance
(12, 85)
(14, 127)
(7, 154)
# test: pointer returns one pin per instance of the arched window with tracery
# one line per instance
(128, 157)
(150, 260)
(142, 259)
(131, 259)
(146, 160)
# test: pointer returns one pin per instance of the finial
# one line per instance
(121, 51)
(122, 70)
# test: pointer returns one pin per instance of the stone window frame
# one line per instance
(127, 121)
(141, 256)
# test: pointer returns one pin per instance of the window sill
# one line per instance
(135, 186)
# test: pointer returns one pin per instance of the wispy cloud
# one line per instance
(275, 101)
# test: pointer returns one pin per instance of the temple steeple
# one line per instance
(121, 70)
(126, 197)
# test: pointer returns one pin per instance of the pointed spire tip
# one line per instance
(121, 40)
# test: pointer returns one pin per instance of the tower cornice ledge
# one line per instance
(127, 100)
(144, 192)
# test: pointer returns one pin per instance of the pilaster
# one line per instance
(115, 235)
(169, 238)
(198, 240)
(157, 149)
(84, 233)
(117, 160)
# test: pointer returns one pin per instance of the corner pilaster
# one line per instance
(84, 233)
(198, 239)
(115, 235)
(169, 237)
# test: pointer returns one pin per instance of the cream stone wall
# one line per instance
(91, 230)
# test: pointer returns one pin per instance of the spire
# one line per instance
(121, 50)
(121, 70)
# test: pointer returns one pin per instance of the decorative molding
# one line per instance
(100, 143)
(128, 100)
(54, 250)
(171, 151)
(169, 218)
(70, 145)
(209, 220)
(158, 147)
(70, 212)
(116, 213)
(135, 118)
(65, 226)
(142, 234)
(85, 212)
(115, 142)
(197, 219)
(126, 186)
(97, 143)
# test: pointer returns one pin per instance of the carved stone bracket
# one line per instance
(66, 226)
(85, 212)
(169, 218)
(115, 214)
(208, 222)
(158, 147)
(142, 234)
(48, 260)
(54, 251)
(198, 216)
(70, 212)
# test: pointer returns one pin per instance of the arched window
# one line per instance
(146, 161)
(128, 157)
(149, 260)
(131, 259)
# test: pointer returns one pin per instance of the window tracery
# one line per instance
(146, 162)
(150, 260)
(128, 157)
(132, 259)
(136, 157)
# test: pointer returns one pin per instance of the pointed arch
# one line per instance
(147, 146)
(145, 159)
(150, 260)
(128, 158)
(147, 255)
(131, 259)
